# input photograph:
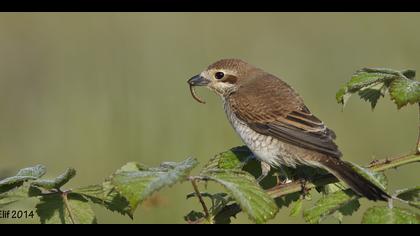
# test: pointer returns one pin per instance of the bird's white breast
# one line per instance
(265, 148)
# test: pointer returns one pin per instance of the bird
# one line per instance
(272, 119)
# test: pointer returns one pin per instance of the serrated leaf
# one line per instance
(224, 216)
(349, 208)
(363, 78)
(137, 185)
(404, 91)
(107, 196)
(296, 208)
(235, 158)
(195, 217)
(131, 166)
(287, 200)
(412, 195)
(385, 215)
(377, 178)
(243, 187)
(14, 195)
(372, 83)
(338, 201)
(410, 74)
(371, 95)
(331, 188)
(339, 96)
(56, 183)
(23, 175)
(414, 204)
(52, 210)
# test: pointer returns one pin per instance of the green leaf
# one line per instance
(195, 217)
(342, 201)
(224, 216)
(296, 208)
(243, 187)
(107, 196)
(371, 95)
(414, 204)
(31, 173)
(287, 200)
(412, 195)
(404, 91)
(366, 77)
(56, 183)
(234, 159)
(339, 96)
(372, 83)
(137, 185)
(385, 215)
(13, 196)
(410, 74)
(377, 178)
(131, 166)
(52, 210)
(220, 210)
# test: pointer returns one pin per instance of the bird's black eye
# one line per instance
(219, 75)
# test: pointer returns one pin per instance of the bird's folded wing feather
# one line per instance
(271, 107)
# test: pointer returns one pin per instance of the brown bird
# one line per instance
(273, 121)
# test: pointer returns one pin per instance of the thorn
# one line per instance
(374, 161)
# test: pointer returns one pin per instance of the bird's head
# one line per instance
(224, 76)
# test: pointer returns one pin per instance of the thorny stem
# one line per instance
(296, 186)
(381, 165)
(200, 198)
(418, 138)
(66, 203)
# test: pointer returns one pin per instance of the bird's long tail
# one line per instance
(359, 184)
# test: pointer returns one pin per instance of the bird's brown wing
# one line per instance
(271, 107)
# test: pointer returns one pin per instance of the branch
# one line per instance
(200, 198)
(378, 166)
(296, 186)
(66, 203)
(418, 138)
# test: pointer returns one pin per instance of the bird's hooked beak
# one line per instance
(198, 80)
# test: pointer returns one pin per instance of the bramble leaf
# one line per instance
(372, 83)
(136, 184)
(52, 210)
(296, 208)
(404, 91)
(23, 175)
(377, 178)
(385, 215)
(412, 195)
(106, 195)
(56, 183)
(243, 187)
(345, 202)
(235, 158)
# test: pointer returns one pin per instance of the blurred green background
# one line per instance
(96, 90)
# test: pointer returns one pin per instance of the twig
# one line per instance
(296, 186)
(66, 203)
(381, 165)
(200, 198)
(418, 138)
